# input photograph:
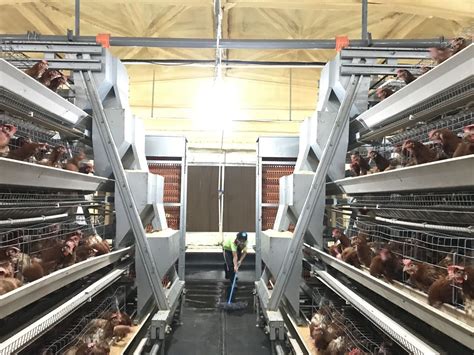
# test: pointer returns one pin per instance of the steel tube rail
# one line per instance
(258, 44)
(225, 63)
(11, 222)
(365, 14)
(77, 18)
(469, 230)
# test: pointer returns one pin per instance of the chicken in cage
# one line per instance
(443, 143)
(336, 328)
(30, 253)
(103, 325)
(20, 140)
(431, 262)
(454, 122)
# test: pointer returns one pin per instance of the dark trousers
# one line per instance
(229, 269)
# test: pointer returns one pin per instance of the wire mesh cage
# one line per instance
(8, 53)
(25, 62)
(20, 205)
(39, 144)
(455, 208)
(454, 123)
(86, 327)
(436, 250)
(358, 333)
(44, 242)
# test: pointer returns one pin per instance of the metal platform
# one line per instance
(45, 323)
(31, 93)
(446, 85)
(449, 174)
(19, 173)
(450, 321)
(33, 291)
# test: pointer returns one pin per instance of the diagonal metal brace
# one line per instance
(315, 191)
(120, 176)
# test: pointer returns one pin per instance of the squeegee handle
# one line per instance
(232, 289)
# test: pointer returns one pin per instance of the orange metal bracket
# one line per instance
(341, 42)
(103, 39)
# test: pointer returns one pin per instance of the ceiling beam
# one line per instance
(255, 44)
(453, 10)
(189, 125)
(196, 3)
(39, 20)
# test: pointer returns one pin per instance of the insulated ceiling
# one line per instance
(271, 100)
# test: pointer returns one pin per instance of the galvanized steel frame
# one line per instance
(316, 189)
(120, 176)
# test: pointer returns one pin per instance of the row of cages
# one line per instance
(336, 327)
(70, 229)
(102, 326)
(271, 174)
(24, 141)
(443, 130)
(420, 239)
(452, 209)
(431, 262)
(51, 235)
(43, 231)
(443, 139)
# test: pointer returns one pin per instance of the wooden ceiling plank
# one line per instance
(39, 20)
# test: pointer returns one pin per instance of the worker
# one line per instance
(235, 251)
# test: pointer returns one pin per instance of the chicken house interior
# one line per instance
(351, 235)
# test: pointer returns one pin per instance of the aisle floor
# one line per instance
(206, 330)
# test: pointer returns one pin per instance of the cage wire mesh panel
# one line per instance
(455, 208)
(34, 240)
(357, 331)
(22, 61)
(455, 123)
(17, 205)
(435, 249)
(30, 131)
(83, 328)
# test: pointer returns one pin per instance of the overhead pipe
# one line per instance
(203, 43)
(469, 230)
(11, 222)
(365, 15)
(228, 63)
(77, 18)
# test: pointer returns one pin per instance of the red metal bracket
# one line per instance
(341, 42)
(103, 39)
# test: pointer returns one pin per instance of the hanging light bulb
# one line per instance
(216, 105)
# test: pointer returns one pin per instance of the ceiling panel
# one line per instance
(272, 95)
